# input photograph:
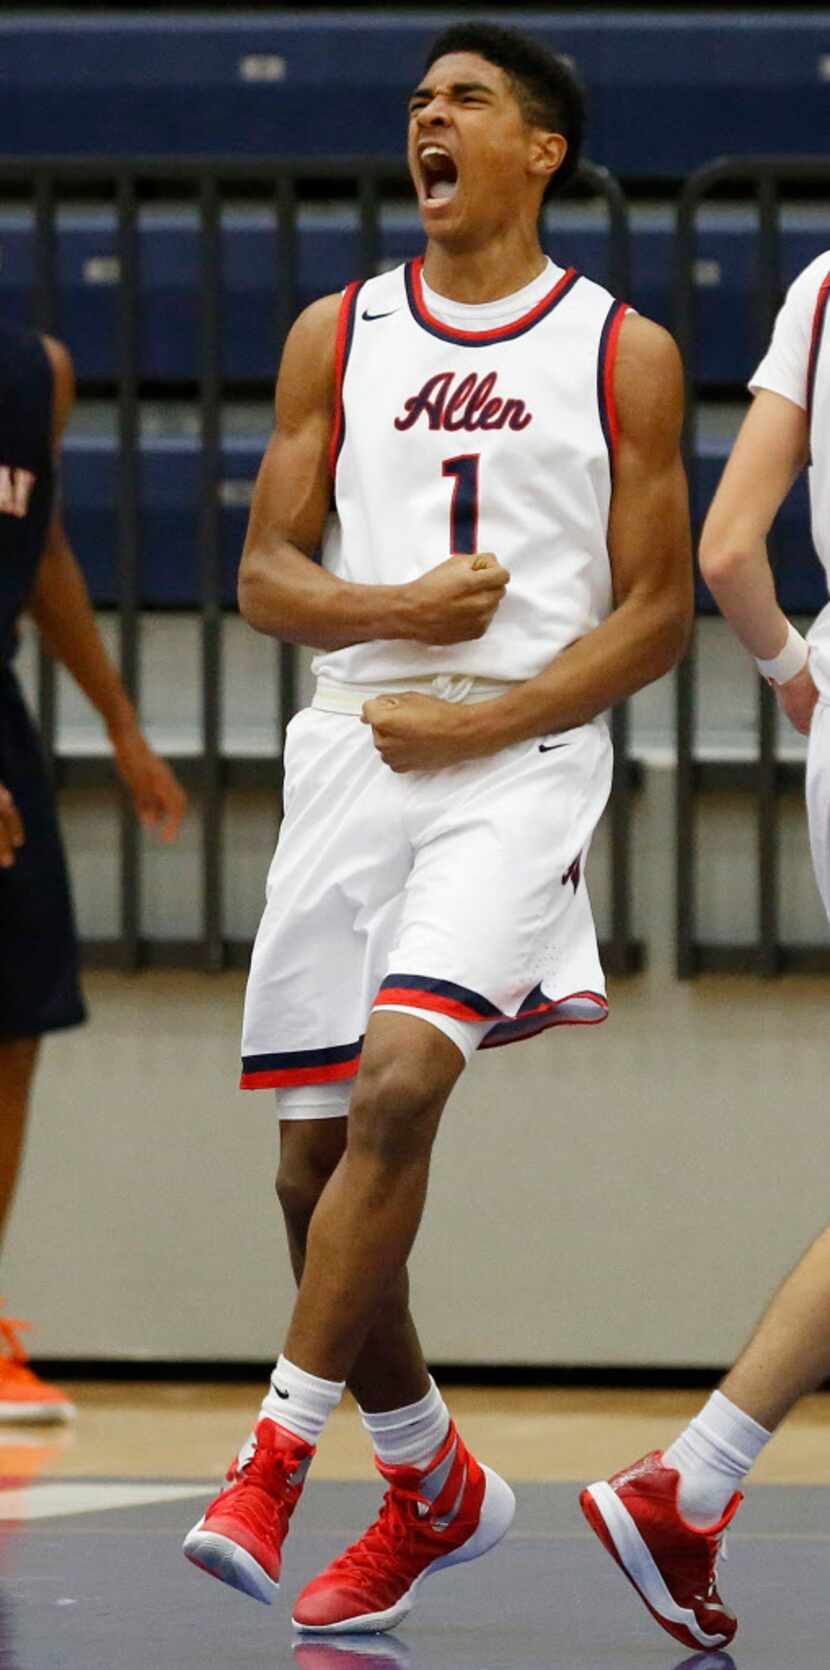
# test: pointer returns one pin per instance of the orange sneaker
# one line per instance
(23, 1395)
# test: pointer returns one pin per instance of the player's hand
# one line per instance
(797, 698)
(11, 829)
(418, 733)
(159, 799)
(455, 601)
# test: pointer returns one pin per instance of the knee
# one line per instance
(394, 1113)
(301, 1178)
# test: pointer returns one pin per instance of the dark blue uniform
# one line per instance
(39, 989)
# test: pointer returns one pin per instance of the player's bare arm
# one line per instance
(282, 591)
(11, 829)
(61, 608)
(770, 452)
(650, 551)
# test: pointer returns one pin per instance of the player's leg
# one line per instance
(389, 1372)
(663, 1519)
(18, 1057)
(39, 993)
(441, 1507)
(367, 1217)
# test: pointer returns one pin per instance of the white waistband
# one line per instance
(349, 698)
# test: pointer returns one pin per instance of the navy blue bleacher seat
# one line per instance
(729, 333)
(169, 487)
(668, 89)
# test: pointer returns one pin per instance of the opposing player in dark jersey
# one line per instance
(506, 557)
(39, 990)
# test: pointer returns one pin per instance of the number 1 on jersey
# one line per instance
(464, 506)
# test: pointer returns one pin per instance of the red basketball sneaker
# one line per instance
(433, 1517)
(672, 1564)
(240, 1535)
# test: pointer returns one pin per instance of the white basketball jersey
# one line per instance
(818, 412)
(797, 365)
(448, 440)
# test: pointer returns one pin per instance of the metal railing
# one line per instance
(208, 185)
(767, 776)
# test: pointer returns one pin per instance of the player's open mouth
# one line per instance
(439, 173)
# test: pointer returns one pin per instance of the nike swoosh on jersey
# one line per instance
(548, 747)
(387, 315)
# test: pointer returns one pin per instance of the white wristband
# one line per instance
(791, 659)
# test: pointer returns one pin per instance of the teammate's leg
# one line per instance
(670, 1510)
(18, 1058)
(787, 1356)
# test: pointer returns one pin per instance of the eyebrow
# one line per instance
(455, 88)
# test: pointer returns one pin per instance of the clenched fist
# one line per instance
(797, 698)
(456, 601)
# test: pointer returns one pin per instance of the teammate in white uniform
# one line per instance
(487, 447)
(663, 1519)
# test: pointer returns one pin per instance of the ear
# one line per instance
(547, 153)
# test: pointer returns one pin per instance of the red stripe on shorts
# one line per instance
(413, 998)
(280, 1078)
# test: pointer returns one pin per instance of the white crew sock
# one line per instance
(712, 1457)
(409, 1437)
(300, 1402)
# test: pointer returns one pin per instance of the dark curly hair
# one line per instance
(547, 89)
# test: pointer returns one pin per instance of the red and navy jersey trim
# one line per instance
(418, 992)
(819, 318)
(606, 362)
(293, 1067)
(343, 344)
(480, 339)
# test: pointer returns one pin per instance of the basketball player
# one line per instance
(506, 555)
(39, 989)
(663, 1519)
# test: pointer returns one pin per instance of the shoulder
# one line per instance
(306, 378)
(63, 383)
(313, 335)
(648, 379)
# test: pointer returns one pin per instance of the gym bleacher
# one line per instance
(290, 127)
(668, 91)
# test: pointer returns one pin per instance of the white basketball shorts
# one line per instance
(818, 797)
(457, 893)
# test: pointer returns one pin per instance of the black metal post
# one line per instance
(210, 395)
(767, 803)
(128, 537)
